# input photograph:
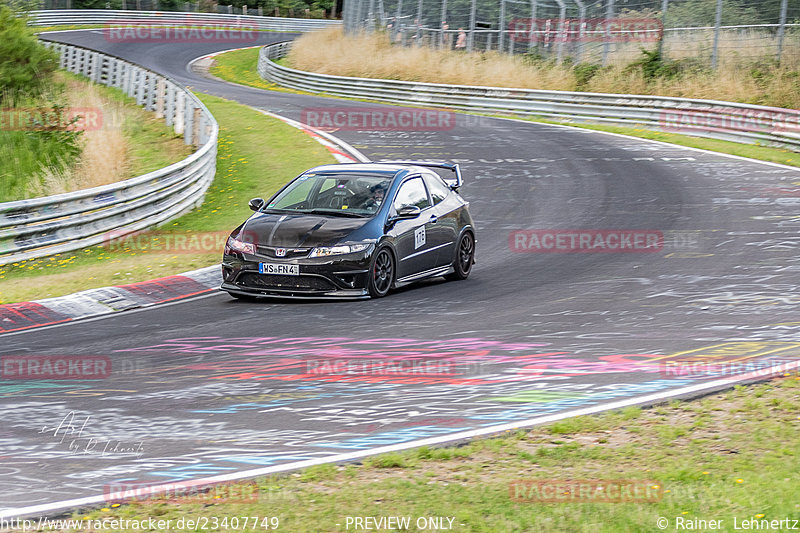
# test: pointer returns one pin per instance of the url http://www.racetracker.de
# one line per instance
(193, 523)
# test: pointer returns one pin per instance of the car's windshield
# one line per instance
(333, 194)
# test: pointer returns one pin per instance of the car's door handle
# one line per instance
(433, 219)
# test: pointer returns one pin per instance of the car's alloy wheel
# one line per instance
(465, 255)
(381, 273)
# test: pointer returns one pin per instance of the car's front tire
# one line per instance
(465, 256)
(381, 273)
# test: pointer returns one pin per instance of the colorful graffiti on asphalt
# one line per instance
(260, 401)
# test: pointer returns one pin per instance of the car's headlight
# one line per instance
(324, 251)
(241, 246)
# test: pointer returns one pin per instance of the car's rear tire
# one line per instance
(465, 256)
(381, 273)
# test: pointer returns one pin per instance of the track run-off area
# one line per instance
(694, 281)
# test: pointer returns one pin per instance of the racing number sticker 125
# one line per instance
(419, 237)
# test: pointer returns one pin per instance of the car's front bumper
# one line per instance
(344, 276)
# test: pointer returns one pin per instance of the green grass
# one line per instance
(743, 464)
(239, 67)
(25, 154)
(257, 154)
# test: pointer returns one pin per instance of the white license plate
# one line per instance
(279, 269)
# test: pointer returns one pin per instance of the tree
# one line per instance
(26, 66)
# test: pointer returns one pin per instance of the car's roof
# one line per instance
(389, 169)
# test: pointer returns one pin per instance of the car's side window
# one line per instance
(412, 193)
(439, 190)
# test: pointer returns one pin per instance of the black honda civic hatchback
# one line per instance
(352, 230)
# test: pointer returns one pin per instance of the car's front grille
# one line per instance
(289, 253)
(286, 283)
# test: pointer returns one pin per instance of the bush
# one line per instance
(654, 66)
(583, 73)
(26, 66)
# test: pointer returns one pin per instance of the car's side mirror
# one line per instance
(256, 204)
(406, 212)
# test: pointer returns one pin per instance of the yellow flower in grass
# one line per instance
(759, 516)
(739, 481)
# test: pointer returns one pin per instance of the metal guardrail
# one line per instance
(61, 223)
(728, 121)
(169, 18)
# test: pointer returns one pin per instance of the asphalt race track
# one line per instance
(212, 386)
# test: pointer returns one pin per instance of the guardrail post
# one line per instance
(141, 86)
(150, 97)
(113, 73)
(180, 112)
(84, 62)
(64, 58)
(170, 105)
(188, 115)
(97, 68)
(127, 79)
(199, 128)
(161, 91)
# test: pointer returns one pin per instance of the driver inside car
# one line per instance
(375, 200)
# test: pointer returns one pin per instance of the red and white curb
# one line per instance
(105, 300)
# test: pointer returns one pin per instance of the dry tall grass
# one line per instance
(104, 157)
(373, 56)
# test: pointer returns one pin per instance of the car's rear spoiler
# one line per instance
(452, 167)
